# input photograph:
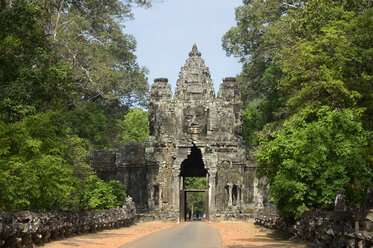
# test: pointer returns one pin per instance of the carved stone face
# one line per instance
(195, 120)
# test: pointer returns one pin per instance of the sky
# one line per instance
(166, 32)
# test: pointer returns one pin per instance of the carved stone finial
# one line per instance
(194, 51)
(229, 79)
(165, 80)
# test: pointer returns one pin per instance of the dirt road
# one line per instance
(184, 235)
(239, 234)
(165, 234)
(111, 238)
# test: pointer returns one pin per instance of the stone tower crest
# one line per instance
(195, 121)
(194, 133)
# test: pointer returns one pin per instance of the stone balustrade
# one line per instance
(350, 228)
(26, 229)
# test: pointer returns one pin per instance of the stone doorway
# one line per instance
(198, 213)
(194, 181)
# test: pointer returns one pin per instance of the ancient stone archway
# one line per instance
(191, 168)
(193, 165)
(194, 121)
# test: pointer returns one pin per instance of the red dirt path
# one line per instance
(238, 234)
(235, 234)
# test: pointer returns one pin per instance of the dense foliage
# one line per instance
(306, 163)
(88, 35)
(306, 69)
(134, 126)
(32, 78)
(67, 76)
(43, 167)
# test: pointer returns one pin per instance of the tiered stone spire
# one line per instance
(194, 51)
(194, 81)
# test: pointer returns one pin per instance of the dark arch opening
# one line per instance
(193, 166)
(194, 194)
(234, 195)
(156, 195)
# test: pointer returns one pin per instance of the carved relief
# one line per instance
(195, 120)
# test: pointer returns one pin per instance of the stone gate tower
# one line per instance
(195, 133)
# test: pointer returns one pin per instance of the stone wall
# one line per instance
(338, 228)
(128, 166)
(26, 229)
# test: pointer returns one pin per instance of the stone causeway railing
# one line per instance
(27, 229)
(338, 228)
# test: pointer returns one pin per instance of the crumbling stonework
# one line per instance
(339, 228)
(127, 165)
(192, 134)
(27, 229)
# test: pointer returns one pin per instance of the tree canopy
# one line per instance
(307, 163)
(134, 127)
(88, 34)
(44, 167)
(32, 77)
(306, 68)
(68, 75)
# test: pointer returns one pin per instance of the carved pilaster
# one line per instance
(160, 196)
(212, 190)
(151, 196)
(175, 189)
(230, 202)
(242, 203)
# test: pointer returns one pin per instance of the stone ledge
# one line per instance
(26, 229)
(229, 79)
(164, 80)
(327, 229)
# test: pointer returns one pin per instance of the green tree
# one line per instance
(257, 116)
(97, 194)
(88, 35)
(299, 56)
(325, 59)
(34, 174)
(44, 167)
(195, 182)
(195, 202)
(307, 163)
(259, 76)
(135, 126)
(57, 100)
(247, 41)
(303, 57)
(88, 122)
(29, 83)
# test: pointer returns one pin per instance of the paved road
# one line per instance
(184, 235)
